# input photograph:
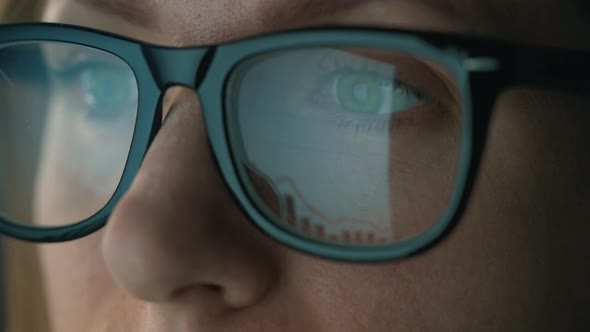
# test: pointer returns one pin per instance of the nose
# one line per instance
(177, 231)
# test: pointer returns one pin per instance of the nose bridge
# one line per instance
(177, 66)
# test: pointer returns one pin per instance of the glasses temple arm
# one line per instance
(552, 68)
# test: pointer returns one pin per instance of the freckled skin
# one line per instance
(178, 255)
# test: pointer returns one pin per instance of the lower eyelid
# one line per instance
(379, 123)
(422, 75)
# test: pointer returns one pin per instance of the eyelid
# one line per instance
(419, 74)
(396, 83)
(61, 57)
(73, 70)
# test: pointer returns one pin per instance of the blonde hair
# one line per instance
(25, 300)
(21, 10)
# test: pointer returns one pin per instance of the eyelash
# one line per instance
(366, 124)
(70, 73)
(71, 77)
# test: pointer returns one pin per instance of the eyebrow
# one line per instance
(134, 11)
(141, 12)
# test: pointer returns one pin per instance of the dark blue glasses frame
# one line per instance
(482, 67)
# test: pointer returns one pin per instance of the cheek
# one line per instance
(524, 232)
(59, 197)
(536, 163)
(79, 290)
(422, 174)
(341, 184)
(80, 165)
(509, 261)
(19, 144)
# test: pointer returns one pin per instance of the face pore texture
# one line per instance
(177, 253)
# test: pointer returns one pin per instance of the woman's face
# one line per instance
(178, 254)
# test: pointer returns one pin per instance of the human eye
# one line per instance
(373, 95)
(364, 92)
(103, 92)
(91, 113)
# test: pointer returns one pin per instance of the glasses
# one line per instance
(347, 143)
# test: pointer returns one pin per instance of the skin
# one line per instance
(177, 253)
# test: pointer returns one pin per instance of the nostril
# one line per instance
(181, 292)
(213, 288)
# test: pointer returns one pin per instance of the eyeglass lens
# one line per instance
(67, 119)
(351, 146)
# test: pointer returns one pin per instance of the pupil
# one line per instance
(105, 86)
(106, 93)
(360, 91)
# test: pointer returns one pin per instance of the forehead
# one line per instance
(282, 8)
(206, 21)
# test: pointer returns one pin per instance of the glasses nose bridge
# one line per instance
(176, 66)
